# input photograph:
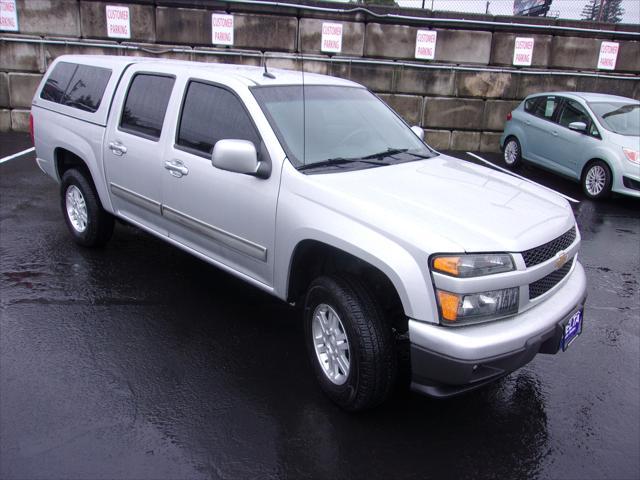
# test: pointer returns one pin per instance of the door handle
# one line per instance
(176, 168)
(117, 148)
(528, 122)
(554, 133)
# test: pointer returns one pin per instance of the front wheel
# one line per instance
(350, 346)
(596, 180)
(512, 152)
(88, 223)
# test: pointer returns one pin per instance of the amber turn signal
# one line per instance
(447, 264)
(449, 303)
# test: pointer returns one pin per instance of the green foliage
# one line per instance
(609, 11)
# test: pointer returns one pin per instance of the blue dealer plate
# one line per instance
(572, 329)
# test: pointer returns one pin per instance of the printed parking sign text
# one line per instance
(8, 16)
(221, 29)
(118, 22)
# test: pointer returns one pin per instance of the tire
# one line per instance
(596, 180)
(512, 152)
(369, 353)
(88, 223)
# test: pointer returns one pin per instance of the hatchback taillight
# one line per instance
(508, 116)
(33, 140)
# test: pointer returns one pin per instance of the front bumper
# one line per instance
(447, 361)
(628, 183)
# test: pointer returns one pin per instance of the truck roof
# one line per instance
(249, 75)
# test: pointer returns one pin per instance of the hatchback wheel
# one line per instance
(512, 152)
(596, 180)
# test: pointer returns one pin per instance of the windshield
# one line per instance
(341, 123)
(618, 117)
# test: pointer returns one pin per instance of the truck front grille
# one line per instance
(544, 252)
(545, 284)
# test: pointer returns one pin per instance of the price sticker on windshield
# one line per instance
(608, 55)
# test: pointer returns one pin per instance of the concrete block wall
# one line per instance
(94, 21)
(461, 98)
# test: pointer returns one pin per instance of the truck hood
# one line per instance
(466, 206)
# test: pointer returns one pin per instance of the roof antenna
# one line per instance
(267, 73)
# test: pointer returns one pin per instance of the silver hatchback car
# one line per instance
(590, 137)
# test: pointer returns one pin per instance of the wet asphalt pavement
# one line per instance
(140, 361)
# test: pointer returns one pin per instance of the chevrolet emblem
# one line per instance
(561, 259)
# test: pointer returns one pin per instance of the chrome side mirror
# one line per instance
(418, 131)
(239, 156)
(578, 126)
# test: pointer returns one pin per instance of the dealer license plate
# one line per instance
(572, 329)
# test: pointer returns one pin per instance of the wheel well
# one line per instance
(503, 146)
(514, 136)
(590, 162)
(66, 160)
(312, 259)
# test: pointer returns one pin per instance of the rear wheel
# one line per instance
(350, 347)
(512, 152)
(596, 180)
(88, 223)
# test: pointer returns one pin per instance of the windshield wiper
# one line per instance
(621, 110)
(387, 153)
(339, 161)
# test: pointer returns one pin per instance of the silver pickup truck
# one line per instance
(409, 266)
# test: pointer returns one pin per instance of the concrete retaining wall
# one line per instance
(461, 97)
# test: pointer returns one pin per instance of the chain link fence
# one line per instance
(606, 11)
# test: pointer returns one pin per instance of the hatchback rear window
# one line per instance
(77, 86)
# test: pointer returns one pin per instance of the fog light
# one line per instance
(462, 309)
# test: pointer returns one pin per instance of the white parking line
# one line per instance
(16, 155)
(521, 177)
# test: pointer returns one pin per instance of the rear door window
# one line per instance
(146, 104)
(543, 107)
(211, 113)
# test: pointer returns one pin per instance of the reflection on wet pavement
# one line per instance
(139, 361)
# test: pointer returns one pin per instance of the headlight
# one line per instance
(461, 309)
(632, 155)
(476, 265)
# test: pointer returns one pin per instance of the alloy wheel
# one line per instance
(596, 180)
(76, 208)
(331, 344)
(511, 152)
